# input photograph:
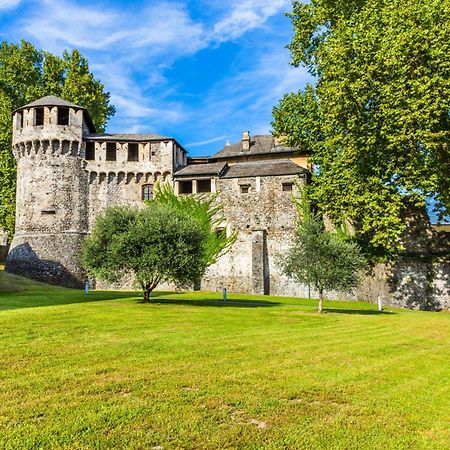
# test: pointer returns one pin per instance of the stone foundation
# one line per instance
(51, 258)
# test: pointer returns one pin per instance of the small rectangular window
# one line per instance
(245, 188)
(90, 151)
(287, 187)
(39, 116)
(147, 192)
(133, 154)
(111, 151)
(185, 187)
(48, 212)
(63, 116)
(203, 186)
(19, 120)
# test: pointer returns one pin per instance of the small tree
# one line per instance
(320, 258)
(168, 241)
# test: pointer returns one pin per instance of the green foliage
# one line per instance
(320, 258)
(190, 371)
(378, 119)
(207, 211)
(172, 240)
(27, 74)
(155, 244)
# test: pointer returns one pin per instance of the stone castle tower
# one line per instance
(51, 216)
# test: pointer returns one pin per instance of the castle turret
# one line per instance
(51, 205)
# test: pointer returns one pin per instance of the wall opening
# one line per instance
(90, 151)
(203, 186)
(287, 187)
(63, 116)
(133, 154)
(185, 187)
(19, 120)
(39, 116)
(111, 151)
(245, 188)
(147, 192)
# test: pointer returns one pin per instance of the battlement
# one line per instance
(49, 119)
(127, 177)
(47, 147)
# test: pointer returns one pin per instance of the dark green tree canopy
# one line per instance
(378, 120)
(27, 74)
(155, 244)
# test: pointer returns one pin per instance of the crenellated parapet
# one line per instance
(128, 177)
(47, 147)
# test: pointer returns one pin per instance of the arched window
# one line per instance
(147, 192)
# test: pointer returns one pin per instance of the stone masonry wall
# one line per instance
(51, 201)
(265, 221)
(4, 247)
(120, 182)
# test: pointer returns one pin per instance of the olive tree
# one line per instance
(323, 259)
(171, 240)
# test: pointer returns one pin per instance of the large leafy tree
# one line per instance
(26, 74)
(174, 239)
(378, 118)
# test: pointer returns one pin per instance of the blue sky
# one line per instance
(200, 71)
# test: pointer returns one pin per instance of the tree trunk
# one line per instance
(320, 301)
(148, 288)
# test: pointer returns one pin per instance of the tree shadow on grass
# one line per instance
(57, 296)
(235, 303)
(364, 312)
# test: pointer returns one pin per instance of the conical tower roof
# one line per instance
(50, 100)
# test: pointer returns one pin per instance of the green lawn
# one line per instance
(187, 371)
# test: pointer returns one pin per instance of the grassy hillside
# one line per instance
(187, 371)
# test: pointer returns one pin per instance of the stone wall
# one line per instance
(264, 219)
(120, 182)
(4, 247)
(51, 200)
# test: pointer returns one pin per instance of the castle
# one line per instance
(67, 173)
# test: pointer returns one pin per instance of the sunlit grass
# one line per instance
(189, 371)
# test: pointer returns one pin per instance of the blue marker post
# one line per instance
(86, 287)
(224, 294)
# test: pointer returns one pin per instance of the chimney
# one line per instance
(246, 141)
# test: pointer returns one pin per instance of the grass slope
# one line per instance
(187, 371)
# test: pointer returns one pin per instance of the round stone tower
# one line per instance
(51, 202)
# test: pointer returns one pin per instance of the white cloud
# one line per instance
(124, 48)
(161, 27)
(247, 15)
(9, 4)
(208, 141)
(130, 48)
(244, 101)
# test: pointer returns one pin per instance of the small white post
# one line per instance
(224, 294)
(380, 305)
(86, 287)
